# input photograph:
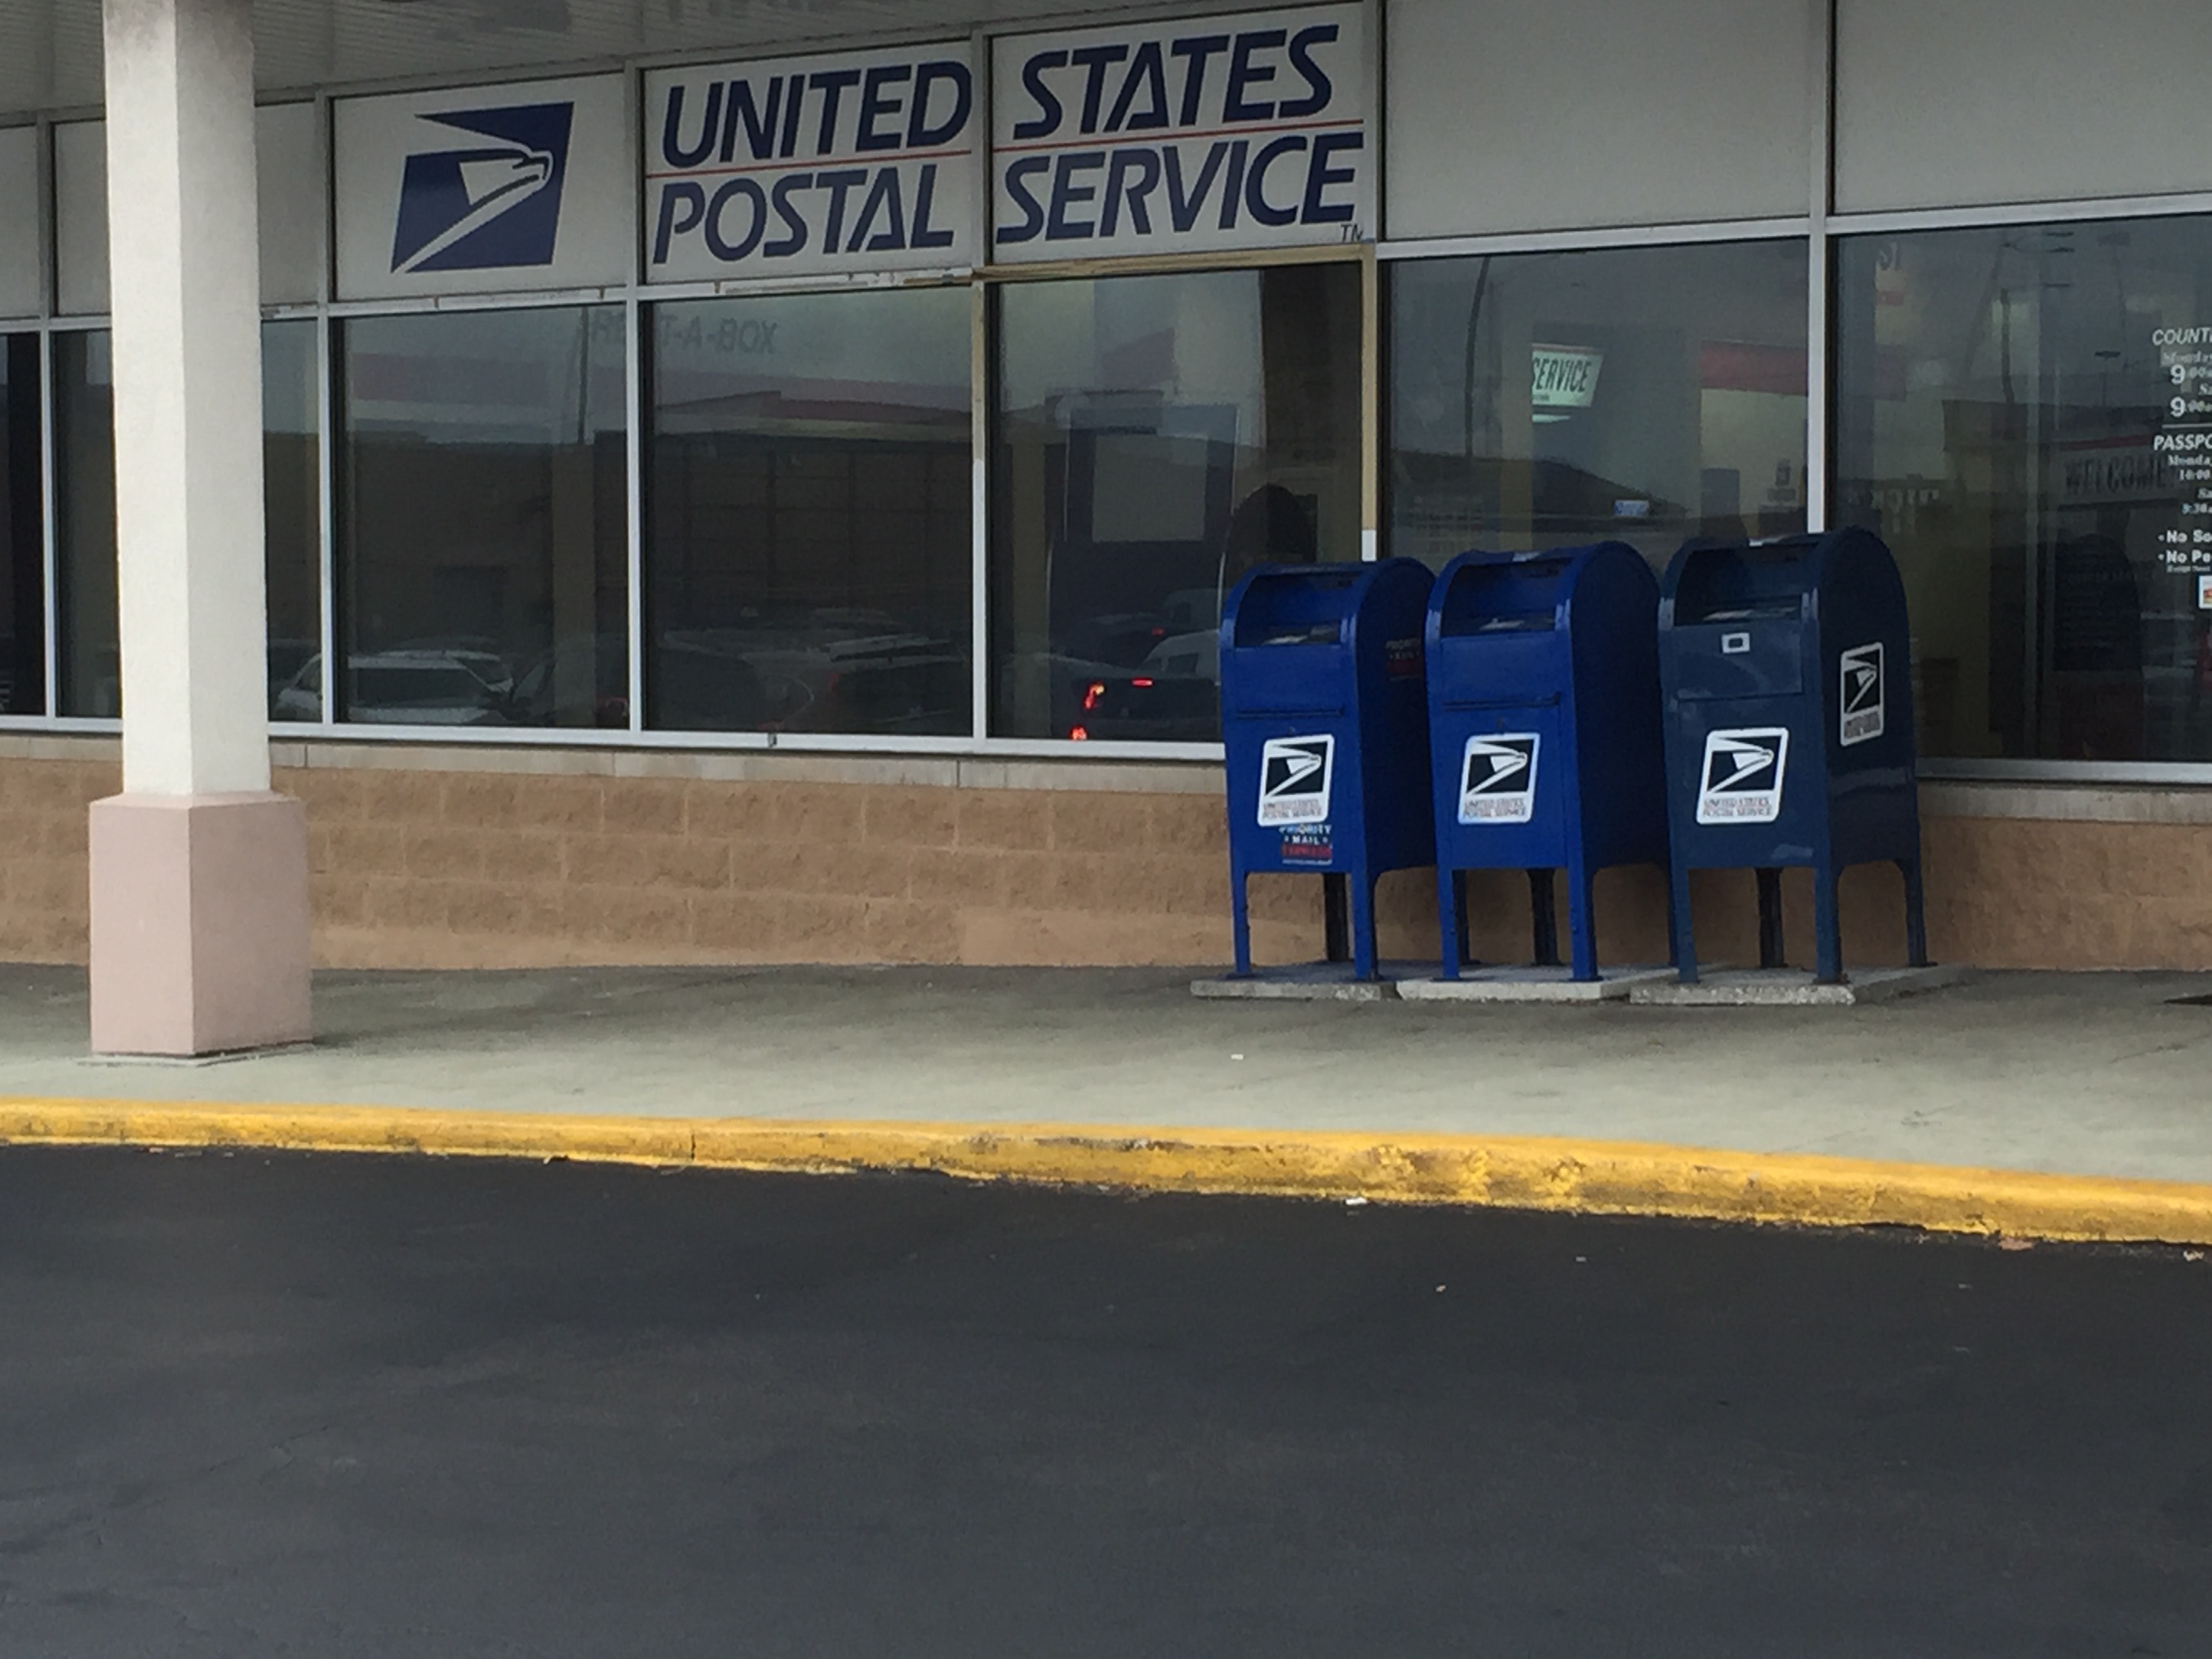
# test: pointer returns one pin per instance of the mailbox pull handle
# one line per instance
(1549, 701)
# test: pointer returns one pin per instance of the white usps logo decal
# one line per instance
(1498, 779)
(1862, 693)
(1294, 779)
(1741, 781)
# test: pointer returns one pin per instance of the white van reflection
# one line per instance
(407, 688)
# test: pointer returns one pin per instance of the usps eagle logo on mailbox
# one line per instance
(491, 205)
(1498, 779)
(1294, 774)
(1860, 694)
(1742, 780)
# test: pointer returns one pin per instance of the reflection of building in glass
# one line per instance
(2002, 396)
(482, 518)
(809, 540)
(1159, 436)
(1641, 394)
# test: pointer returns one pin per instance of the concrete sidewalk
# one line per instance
(2092, 1075)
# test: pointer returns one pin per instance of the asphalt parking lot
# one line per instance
(260, 1404)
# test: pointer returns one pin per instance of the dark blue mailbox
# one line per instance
(1324, 721)
(1544, 729)
(1786, 666)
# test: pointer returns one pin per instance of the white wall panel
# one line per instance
(81, 216)
(1502, 115)
(290, 169)
(1959, 102)
(22, 242)
(290, 172)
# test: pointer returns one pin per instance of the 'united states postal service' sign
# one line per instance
(1216, 132)
(787, 167)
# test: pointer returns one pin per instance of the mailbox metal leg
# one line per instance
(1543, 915)
(1581, 920)
(1915, 915)
(1827, 927)
(1240, 924)
(1363, 925)
(1451, 918)
(1680, 932)
(1771, 953)
(1335, 918)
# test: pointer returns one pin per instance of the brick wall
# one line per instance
(418, 867)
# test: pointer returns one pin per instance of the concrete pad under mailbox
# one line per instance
(1528, 984)
(1790, 988)
(1311, 981)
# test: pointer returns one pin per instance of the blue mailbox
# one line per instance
(1324, 722)
(1786, 666)
(1544, 729)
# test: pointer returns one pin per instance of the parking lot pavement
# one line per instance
(283, 1404)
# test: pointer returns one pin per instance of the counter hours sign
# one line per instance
(859, 161)
(1218, 132)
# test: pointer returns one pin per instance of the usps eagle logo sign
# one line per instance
(489, 203)
(1860, 669)
(1498, 779)
(1741, 781)
(1294, 774)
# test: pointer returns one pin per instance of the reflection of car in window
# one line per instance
(286, 658)
(701, 682)
(1174, 694)
(579, 681)
(407, 687)
(832, 668)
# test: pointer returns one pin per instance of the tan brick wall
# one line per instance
(457, 868)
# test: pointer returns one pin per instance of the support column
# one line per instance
(199, 873)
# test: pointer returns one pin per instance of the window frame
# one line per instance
(1819, 225)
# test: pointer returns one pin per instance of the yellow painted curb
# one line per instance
(1513, 1172)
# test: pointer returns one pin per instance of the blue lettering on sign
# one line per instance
(899, 106)
(491, 206)
(867, 190)
(1018, 175)
(1222, 160)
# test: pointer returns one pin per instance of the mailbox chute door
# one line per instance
(1289, 635)
(1499, 642)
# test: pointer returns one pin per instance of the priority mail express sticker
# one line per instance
(1498, 779)
(1742, 781)
(1860, 694)
(1294, 779)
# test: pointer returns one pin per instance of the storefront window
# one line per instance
(1644, 395)
(292, 495)
(482, 553)
(84, 458)
(89, 674)
(2024, 414)
(808, 514)
(1158, 436)
(22, 538)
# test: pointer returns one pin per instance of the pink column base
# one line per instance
(199, 924)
